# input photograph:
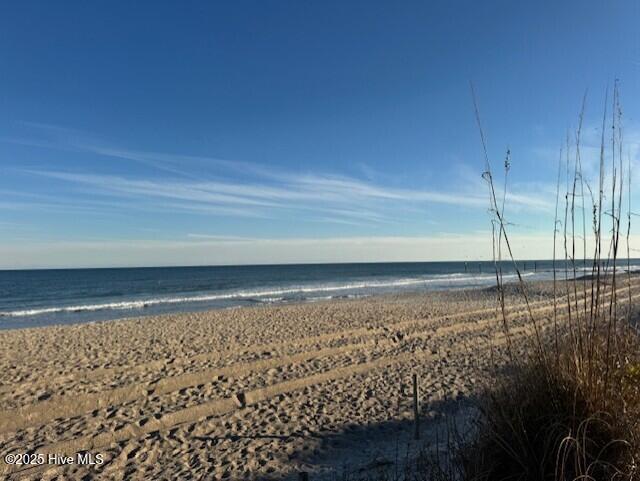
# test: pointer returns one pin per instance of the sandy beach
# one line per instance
(248, 393)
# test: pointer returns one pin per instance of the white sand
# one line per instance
(248, 393)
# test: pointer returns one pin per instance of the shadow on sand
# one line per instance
(376, 451)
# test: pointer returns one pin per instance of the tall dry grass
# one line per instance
(569, 408)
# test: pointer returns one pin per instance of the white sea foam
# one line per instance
(275, 295)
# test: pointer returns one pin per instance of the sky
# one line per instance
(164, 133)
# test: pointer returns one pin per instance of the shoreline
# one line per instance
(171, 300)
(23, 322)
(250, 393)
(37, 298)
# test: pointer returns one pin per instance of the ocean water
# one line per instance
(43, 297)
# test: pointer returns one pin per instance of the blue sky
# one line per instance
(152, 133)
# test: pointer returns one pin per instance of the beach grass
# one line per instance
(568, 408)
(565, 403)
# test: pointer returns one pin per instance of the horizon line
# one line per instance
(268, 264)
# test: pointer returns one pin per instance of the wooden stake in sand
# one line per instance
(416, 412)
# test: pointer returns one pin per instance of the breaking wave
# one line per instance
(290, 293)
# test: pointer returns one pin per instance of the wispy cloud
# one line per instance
(321, 197)
(203, 185)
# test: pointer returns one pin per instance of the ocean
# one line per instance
(31, 298)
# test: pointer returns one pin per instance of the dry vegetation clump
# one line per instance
(552, 420)
(570, 408)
